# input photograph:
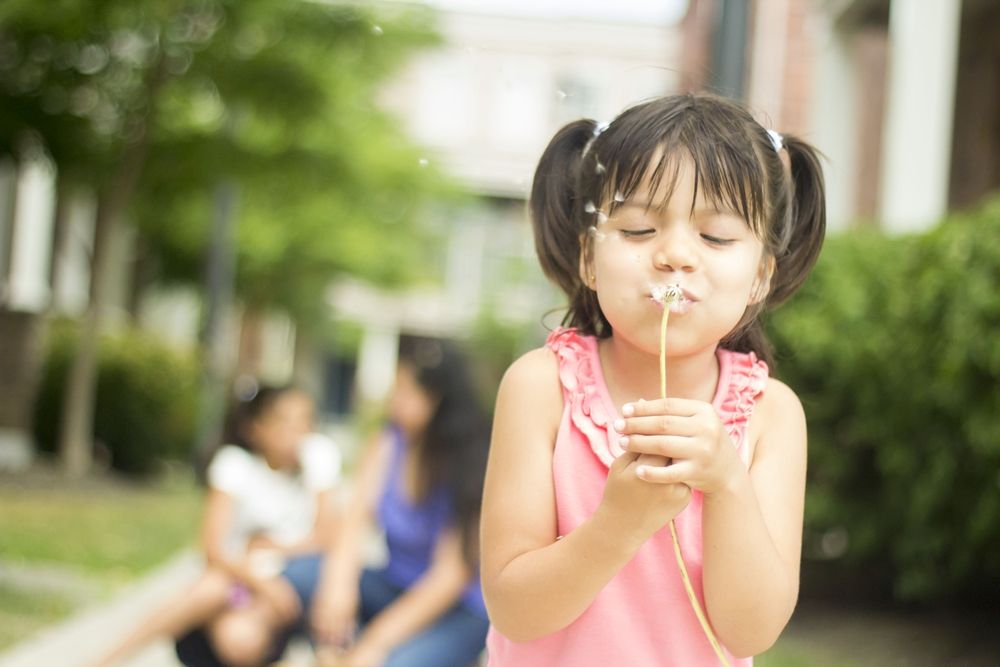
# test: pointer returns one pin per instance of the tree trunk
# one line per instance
(77, 423)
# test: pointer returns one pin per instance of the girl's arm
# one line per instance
(337, 597)
(533, 583)
(319, 538)
(426, 600)
(219, 511)
(218, 518)
(751, 519)
(752, 530)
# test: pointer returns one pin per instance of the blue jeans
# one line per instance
(454, 640)
(303, 572)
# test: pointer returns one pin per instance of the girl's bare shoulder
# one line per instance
(778, 422)
(533, 379)
(779, 399)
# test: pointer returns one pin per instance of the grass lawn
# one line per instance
(64, 542)
(792, 653)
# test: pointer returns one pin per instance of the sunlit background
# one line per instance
(197, 193)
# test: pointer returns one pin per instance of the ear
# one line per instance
(762, 284)
(586, 268)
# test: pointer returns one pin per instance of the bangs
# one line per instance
(726, 165)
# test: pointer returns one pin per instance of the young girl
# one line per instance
(268, 516)
(421, 482)
(588, 465)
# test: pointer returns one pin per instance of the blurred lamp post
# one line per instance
(219, 274)
(729, 45)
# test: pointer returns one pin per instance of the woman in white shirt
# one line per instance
(269, 510)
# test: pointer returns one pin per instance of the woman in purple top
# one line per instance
(421, 481)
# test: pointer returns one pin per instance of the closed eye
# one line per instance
(637, 233)
(715, 240)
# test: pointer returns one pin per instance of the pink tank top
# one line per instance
(643, 616)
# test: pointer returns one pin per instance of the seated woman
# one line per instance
(268, 517)
(421, 482)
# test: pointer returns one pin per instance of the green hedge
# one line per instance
(893, 347)
(146, 399)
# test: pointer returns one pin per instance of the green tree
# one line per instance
(153, 103)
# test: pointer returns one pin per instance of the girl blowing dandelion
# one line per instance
(621, 527)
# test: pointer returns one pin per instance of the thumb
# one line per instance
(623, 461)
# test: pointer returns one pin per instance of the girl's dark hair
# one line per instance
(453, 451)
(587, 170)
(244, 411)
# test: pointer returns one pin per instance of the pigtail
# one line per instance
(806, 221)
(556, 216)
(797, 239)
(553, 203)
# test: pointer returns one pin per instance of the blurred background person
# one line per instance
(420, 481)
(268, 516)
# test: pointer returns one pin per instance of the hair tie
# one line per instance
(777, 142)
(598, 130)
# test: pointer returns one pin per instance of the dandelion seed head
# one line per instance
(666, 293)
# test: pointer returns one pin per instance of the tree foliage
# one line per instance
(275, 96)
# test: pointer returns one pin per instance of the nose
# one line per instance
(676, 250)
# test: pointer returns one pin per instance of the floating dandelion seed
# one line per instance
(561, 94)
(602, 217)
(599, 168)
(619, 197)
(596, 235)
(423, 162)
(377, 29)
(589, 207)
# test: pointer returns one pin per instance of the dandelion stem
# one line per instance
(667, 298)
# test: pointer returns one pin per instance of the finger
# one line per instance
(682, 407)
(623, 461)
(675, 473)
(670, 446)
(657, 425)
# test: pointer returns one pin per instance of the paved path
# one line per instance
(83, 637)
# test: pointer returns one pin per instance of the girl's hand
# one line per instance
(280, 597)
(635, 505)
(689, 434)
(364, 654)
(334, 615)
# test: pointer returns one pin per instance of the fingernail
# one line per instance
(623, 441)
(619, 425)
(628, 409)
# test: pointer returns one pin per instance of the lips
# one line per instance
(678, 307)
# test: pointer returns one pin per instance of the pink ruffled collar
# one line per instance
(742, 378)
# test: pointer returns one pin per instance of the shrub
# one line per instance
(893, 348)
(146, 399)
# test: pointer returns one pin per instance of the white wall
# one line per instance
(488, 101)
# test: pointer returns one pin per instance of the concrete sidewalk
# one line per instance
(84, 636)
